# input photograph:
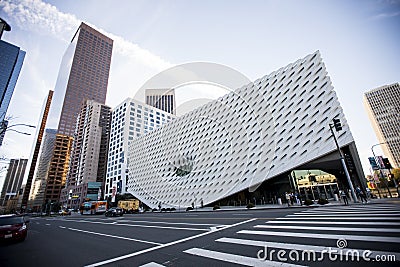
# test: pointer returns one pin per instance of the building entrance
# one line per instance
(315, 184)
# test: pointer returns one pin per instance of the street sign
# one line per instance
(373, 164)
(379, 161)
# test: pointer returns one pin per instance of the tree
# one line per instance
(396, 173)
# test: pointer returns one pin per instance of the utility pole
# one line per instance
(338, 127)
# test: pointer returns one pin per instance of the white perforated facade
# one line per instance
(238, 141)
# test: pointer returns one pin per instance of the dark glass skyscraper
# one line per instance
(11, 60)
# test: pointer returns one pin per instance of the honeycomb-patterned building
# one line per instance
(244, 139)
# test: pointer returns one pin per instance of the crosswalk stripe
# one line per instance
(351, 229)
(152, 264)
(242, 260)
(291, 246)
(350, 212)
(388, 239)
(344, 218)
(335, 222)
(355, 215)
(357, 208)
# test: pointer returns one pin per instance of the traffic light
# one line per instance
(386, 163)
(337, 124)
(349, 161)
(119, 186)
(373, 164)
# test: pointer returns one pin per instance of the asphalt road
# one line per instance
(221, 238)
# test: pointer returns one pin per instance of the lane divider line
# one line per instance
(166, 245)
(114, 236)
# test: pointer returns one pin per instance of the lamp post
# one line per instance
(380, 169)
(4, 127)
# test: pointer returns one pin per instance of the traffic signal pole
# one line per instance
(395, 183)
(353, 194)
(380, 169)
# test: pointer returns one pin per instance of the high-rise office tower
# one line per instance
(13, 181)
(87, 169)
(88, 76)
(11, 60)
(90, 142)
(383, 108)
(36, 148)
(163, 99)
(130, 119)
(83, 76)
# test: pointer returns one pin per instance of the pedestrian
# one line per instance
(361, 195)
(344, 197)
(368, 192)
(287, 196)
(296, 196)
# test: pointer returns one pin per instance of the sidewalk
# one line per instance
(285, 206)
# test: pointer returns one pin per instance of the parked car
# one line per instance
(13, 227)
(114, 212)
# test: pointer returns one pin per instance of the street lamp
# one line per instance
(380, 169)
(4, 127)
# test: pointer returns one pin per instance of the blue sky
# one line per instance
(359, 42)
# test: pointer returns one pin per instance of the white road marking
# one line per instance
(114, 236)
(350, 212)
(356, 223)
(47, 224)
(144, 226)
(371, 214)
(242, 214)
(173, 223)
(351, 229)
(241, 260)
(164, 227)
(63, 227)
(344, 218)
(388, 239)
(290, 246)
(152, 264)
(167, 244)
(374, 207)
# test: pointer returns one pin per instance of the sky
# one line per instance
(359, 41)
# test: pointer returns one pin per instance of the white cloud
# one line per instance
(386, 15)
(45, 19)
